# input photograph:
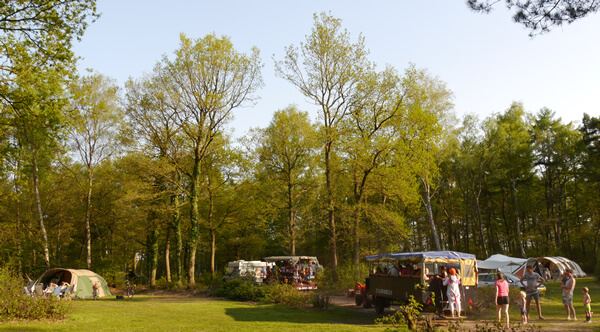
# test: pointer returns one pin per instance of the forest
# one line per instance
(149, 178)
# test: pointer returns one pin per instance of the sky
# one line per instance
(488, 61)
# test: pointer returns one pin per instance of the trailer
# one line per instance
(299, 271)
(256, 271)
(395, 277)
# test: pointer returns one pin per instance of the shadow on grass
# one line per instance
(298, 316)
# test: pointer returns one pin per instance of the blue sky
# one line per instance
(487, 60)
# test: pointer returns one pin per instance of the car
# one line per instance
(488, 279)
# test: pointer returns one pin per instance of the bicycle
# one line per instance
(129, 291)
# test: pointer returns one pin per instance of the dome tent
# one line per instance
(81, 282)
(556, 264)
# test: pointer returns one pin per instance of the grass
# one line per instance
(144, 313)
(553, 309)
(180, 313)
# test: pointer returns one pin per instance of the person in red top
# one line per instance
(501, 297)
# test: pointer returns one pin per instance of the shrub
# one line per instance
(286, 294)
(239, 290)
(15, 304)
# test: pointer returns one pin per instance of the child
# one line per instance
(522, 305)
(586, 304)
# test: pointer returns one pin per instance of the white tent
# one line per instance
(502, 263)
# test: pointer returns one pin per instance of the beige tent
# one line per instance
(80, 281)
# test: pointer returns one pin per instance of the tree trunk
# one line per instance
(427, 202)
(292, 220)
(517, 219)
(88, 212)
(478, 209)
(331, 211)
(38, 203)
(194, 217)
(167, 254)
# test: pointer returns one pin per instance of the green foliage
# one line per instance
(275, 293)
(240, 290)
(407, 314)
(15, 304)
(346, 275)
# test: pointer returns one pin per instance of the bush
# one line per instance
(276, 293)
(15, 304)
(286, 294)
(239, 290)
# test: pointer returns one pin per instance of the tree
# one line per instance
(510, 144)
(94, 124)
(42, 29)
(200, 88)
(429, 105)
(37, 119)
(286, 166)
(327, 69)
(540, 16)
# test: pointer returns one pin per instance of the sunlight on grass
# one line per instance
(180, 313)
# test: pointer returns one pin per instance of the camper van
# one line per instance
(251, 270)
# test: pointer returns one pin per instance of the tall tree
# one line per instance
(510, 143)
(201, 87)
(286, 163)
(327, 69)
(94, 122)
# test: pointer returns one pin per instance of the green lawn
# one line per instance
(198, 314)
(177, 313)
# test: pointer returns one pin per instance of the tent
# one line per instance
(558, 265)
(502, 263)
(81, 282)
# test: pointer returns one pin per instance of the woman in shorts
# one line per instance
(501, 297)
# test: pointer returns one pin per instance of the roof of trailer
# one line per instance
(421, 255)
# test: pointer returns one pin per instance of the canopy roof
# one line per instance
(501, 262)
(291, 259)
(422, 255)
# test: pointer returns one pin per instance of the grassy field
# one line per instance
(554, 311)
(180, 313)
(176, 313)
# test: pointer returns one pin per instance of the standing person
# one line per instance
(587, 300)
(501, 297)
(523, 307)
(567, 295)
(453, 292)
(532, 289)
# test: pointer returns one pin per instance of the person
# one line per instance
(426, 274)
(453, 292)
(534, 280)
(587, 300)
(523, 306)
(394, 271)
(568, 286)
(548, 274)
(501, 297)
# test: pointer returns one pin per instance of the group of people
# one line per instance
(533, 281)
(291, 274)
